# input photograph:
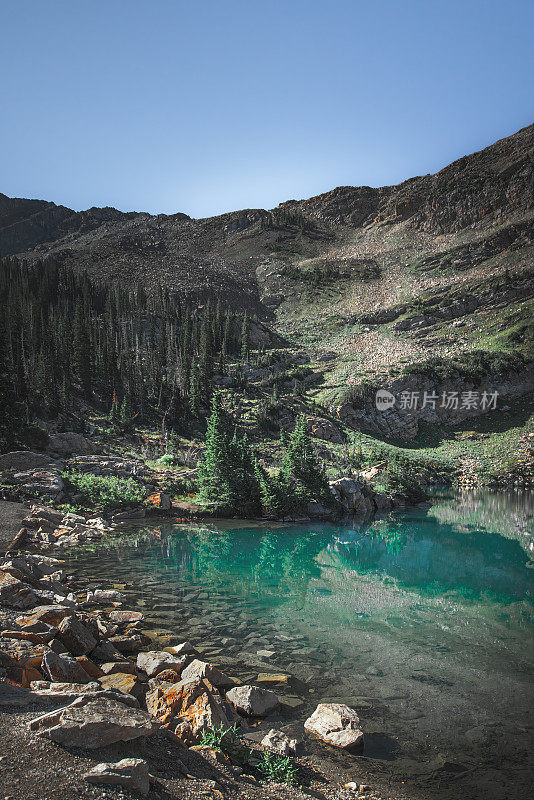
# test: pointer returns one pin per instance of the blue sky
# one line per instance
(206, 107)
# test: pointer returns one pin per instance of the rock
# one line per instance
(211, 753)
(28, 636)
(92, 670)
(125, 516)
(198, 669)
(91, 723)
(63, 668)
(181, 649)
(336, 724)
(324, 429)
(17, 653)
(23, 676)
(13, 695)
(161, 500)
(189, 707)
(65, 444)
(252, 700)
(103, 595)
(278, 742)
(16, 594)
(125, 616)
(132, 773)
(51, 615)
(266, 653)
(23, 460)
(167, 676)
(126, 644)
(269, 679)
(45, 690)
(43, 482)
(113, 667)
(156, 661)
(106, 652)
(75, 636)
(123, 682)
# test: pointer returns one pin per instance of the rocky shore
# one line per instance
(80, 678)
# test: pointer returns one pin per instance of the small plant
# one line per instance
(218, 736)
(277, 768)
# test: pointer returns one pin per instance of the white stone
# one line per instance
(252, 700)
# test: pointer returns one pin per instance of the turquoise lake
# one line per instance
(422, 621)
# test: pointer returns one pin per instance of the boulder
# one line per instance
(277, 742)
(198, 669)
(23, 676)
(92, 670)
(337, 725)
(189, 707)
(22, 460)
(18, 653)
(167, 676)
(181, 649)
(76, 637)
(51, 615)
(112, 667)
(123, 682)
(65, 444)
(43, 482)
(106, 652)
(29, 636)
(63, 668)
(252, 700)
(13, 695)
(127, 644)
(131, 773)
(16, 594)
(91, 723)
(156, 661)
(45, 690)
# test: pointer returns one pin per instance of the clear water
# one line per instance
(422, 622)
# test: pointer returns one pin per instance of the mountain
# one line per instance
(351, 251)
(438, 265)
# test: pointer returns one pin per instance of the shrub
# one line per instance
(105, 490)
(277, 768)
(218, 736)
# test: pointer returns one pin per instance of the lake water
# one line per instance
(422, 622)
